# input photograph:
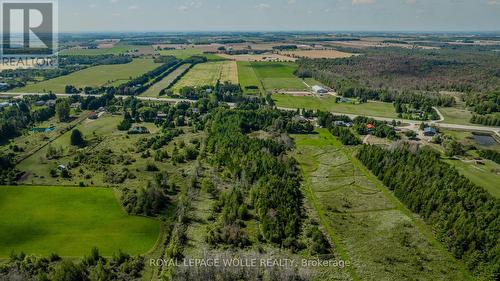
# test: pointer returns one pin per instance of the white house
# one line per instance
(319, 90)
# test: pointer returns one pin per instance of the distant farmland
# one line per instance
(115, 50)
(186, 53)
(69, 221)
(93, 77)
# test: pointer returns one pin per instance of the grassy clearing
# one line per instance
(367, 224)
(456, 115)
(248, 78)
(70, 221)
(200, 75)
(186, 53)
(378, 109)
(93, 77)
(278, 76)
(486, 176)
(154, 90)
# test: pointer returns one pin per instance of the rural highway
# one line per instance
(439, 123)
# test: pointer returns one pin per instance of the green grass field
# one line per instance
(200, 75)
(456, 115)
(378, 109)
(278, 76)
(486, 176)
(70, 221)
(154, 90)
(97, 76)
(116, 50)
(186, 53)
(248, 78)
(367, 224)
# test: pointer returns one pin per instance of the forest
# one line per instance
(465, 217)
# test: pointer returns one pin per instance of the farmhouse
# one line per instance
(40, 103)
(319, 90)
(138, 130)
(93, 116)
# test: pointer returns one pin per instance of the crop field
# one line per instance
(278, 76)
(316, 54)
(229, 72)
(93, 77)
(70, 221)
(378, 109)
(200, 75)
(154, 90)
(115, 50)
(248, 78)
(367, 224)
(186, 53)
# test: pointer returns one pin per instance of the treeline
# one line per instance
(491, 155)
(151, 200)
(226, 92)
(142, 83)
(464, 216)
(486, 107)
(488, 120)
(120, 266)
(267, 180)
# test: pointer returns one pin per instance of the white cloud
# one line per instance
(291, 2)
(411, 2)
(114, 1)
(363, 2)
(92, 6)
(494, 2)
(133, 7)
(191, 5)
(263, 6)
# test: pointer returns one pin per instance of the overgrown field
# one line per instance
(378, 109)
(103, 75)
(70, 221)
(368, 225)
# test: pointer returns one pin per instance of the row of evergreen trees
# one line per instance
(464, 216)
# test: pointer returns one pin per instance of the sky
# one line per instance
(278, 15)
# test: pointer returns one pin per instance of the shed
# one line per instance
(430, 132)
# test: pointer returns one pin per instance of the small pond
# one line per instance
(484, 140)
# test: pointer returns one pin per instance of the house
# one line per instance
(429, 132)
(370, 127)
(101, 109)
(51, 103)
(61, 168)
(4, 86)
(76, 105)
(319, 90)
(6, 104)
(160, 115)
(344, 100)
(93, 116)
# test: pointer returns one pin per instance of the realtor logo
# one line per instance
(28, 30)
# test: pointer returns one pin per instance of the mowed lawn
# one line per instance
(70, 221)
(454, 115)
(154, 90)
(200, 75)
(278, 76)
(376, 109)
(93, 77)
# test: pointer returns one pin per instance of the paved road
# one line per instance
(439, 123)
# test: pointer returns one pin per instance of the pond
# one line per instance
(484, 140)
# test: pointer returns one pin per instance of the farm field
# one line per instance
(186, 53)
(248, 78)
(316, 54)
(377, 109)
(63, 220)
(259, 58)
(96, 76)
(115, 50)
(229, 72)
(200, 75)
(154, 90)
(486, 175)
(367, 224)
(278, 76)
